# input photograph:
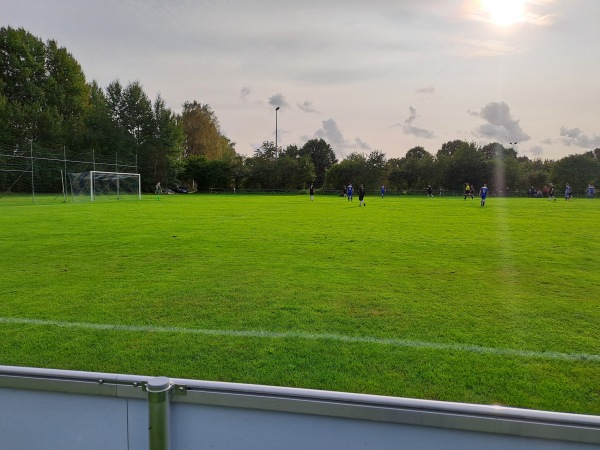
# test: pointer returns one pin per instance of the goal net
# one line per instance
(96, 186)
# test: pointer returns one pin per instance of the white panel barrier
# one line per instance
(63, 410)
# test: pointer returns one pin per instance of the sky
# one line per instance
(365, 76)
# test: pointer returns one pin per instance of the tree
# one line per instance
(163, 150)
(208, 173)
(202, 133)
(577, 170)
(462, 162)
(322, 156)
(350, 170)
(44, 90)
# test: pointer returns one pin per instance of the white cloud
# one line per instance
(334, 136)
(536, 151)
(575, 137)
(476, 48)
(499, 126)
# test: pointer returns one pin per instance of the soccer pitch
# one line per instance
(413, 297)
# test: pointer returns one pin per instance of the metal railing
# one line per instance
(181, 413)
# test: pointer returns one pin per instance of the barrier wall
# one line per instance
(63, 410)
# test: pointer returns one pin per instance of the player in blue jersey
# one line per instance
(483, 194)
(349, 192)
(590, 191)
(382, 190)
(568, 193)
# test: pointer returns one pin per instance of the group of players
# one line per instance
(469, 191)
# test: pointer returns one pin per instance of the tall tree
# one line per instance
(203, 134)
(322, 156)
(44, 87)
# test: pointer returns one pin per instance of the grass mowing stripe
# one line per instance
(312, 336)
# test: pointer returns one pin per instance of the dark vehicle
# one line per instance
(180, 189)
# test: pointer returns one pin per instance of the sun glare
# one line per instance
(504, 13)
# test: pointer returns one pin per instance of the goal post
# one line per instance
(106, 185)
(114, 183)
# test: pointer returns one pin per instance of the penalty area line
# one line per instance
(465, 348)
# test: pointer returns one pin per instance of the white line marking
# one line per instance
(311, 336)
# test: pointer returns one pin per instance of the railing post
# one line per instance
(159, 413)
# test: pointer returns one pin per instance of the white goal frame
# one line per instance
(118, 175)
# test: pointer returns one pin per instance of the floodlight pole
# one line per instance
(276, 147)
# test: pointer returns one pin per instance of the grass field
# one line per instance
(413, 297)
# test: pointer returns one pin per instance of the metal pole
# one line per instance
(32, 181)
(117, 171)
(159, 413)
(65, 179)
(276, 147)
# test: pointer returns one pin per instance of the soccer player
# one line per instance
(361, 196)
(382, 190)
(590, 191)
(568, 192)
(551, 192)
(467, 190)
(311, 192)
(483, 194)
(429, 191)
(349, 192)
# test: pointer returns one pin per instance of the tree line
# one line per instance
(46, 101)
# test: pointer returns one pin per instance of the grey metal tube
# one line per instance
(159, 413)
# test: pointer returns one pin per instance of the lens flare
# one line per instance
(504, 13)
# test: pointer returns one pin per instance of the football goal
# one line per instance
(99, 185)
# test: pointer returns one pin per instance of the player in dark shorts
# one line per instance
(361, 195)
(551, 192)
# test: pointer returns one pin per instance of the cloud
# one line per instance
(575, 137)
(536, 151)
(428, 90)
(278, 100)
(475, 48)
(408, 127)
(307, 107)
(360, 144)
(244, 93)
(500, 125)
(334, 136)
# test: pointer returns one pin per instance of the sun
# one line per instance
(504, 13)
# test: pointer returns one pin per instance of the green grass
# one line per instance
(414, 297)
